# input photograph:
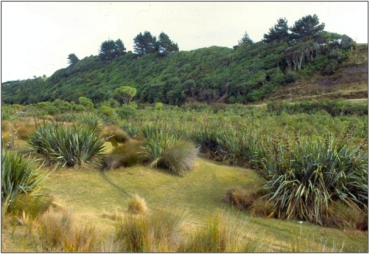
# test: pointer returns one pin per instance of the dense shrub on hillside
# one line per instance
(66, 145)
(247, 74)
(333, 107)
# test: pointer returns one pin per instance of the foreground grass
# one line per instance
(89, 196)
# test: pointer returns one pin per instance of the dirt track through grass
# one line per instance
(111, 183)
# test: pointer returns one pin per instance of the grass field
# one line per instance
(90, 195)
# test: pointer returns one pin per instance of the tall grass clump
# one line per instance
(306, 176)
(18, 175)
(33, 205)
(219, 234)
(114, 134)
(155, 232)
(57, 231)
(127, 154)
(66, 145)
(240, 197)
(137, 205)
(168, 151)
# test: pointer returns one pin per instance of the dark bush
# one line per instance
(291, 77)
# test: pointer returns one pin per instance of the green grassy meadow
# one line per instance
(88, 195)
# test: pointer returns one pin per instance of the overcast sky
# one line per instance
(37, 37)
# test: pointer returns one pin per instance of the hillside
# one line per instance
(350, 82)
(249, 73)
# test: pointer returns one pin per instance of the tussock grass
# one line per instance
(137, 205)
(115, 134)
(54, 227)
(251, 200)
(168, 151)
(33, 205)
(344, 216)
(240, 197)
(24, 219)
(262, 208)
(157, 232)
(57, 232)
(5, 125)
(24, 130)
(115, 215)
(124, 155)
(219, 234)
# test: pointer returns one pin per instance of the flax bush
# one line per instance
(305, 177)
(66, 145)
(18, 175)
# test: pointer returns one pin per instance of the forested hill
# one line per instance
(249, 72)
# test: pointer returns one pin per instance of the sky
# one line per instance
(37, 37)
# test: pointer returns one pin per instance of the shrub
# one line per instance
(110, 103)
(137, 205)
(8, 113)
(18, 175)
(291, 77)
(91, 121)
(66, 117)
(106, 110)
(86, 102)
(66, 145)
(79, 108)
(305, 177)
(126, 111)
(279, 79)
(159, 106)
(330, 68)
